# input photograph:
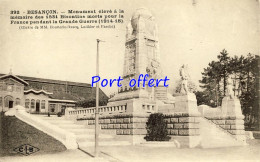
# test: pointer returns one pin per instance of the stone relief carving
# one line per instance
(130, 56)
(154, 70)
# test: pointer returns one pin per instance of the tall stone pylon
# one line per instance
(141, 56)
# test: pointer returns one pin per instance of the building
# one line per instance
(41, 96)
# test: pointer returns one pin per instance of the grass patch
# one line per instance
(15, 133)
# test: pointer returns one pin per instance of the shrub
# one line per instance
(59, 114)
(156, 128)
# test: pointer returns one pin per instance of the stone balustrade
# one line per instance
(149, 108)
(106, 110)
(88, 112)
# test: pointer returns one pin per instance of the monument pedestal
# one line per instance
(233, 117)
(231, 106)
(183, 120)
(187, 104)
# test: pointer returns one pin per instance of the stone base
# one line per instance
(182, 120)
(131, 94)
(182, 124)
(249, 135)
(186, 103)
(183, 128)
(256, 134)
(231, 106)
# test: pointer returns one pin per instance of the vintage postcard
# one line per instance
(129, 80)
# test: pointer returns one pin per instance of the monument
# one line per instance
(141, 57)
(127, 112)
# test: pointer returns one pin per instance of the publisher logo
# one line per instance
(26, 149)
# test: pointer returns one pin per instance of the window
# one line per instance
(27, 103)
(17, 101)
(43, 104)
(38, 103)
(1, 102)
(32, 104)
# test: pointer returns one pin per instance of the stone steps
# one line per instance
(213, 136)
(85, 135)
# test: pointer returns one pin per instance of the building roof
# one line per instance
(62, 90)
(3, 76)
(63, 96)
(42, 80)
(38, 92)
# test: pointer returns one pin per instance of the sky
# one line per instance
(188, 34)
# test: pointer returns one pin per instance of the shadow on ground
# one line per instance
(15, 133)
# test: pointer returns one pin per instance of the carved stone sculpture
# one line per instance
(229, 90)
(184, 79)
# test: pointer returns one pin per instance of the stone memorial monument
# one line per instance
(127, 112)
(141, 57)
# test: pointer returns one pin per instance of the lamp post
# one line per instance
(97, 104)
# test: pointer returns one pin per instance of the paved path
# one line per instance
(166, 154)
(151, 154)
(69, 155)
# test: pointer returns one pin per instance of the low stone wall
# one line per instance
(183, 128)
(183, 124)
(125, 124)
(178, 124)
(232, 124)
